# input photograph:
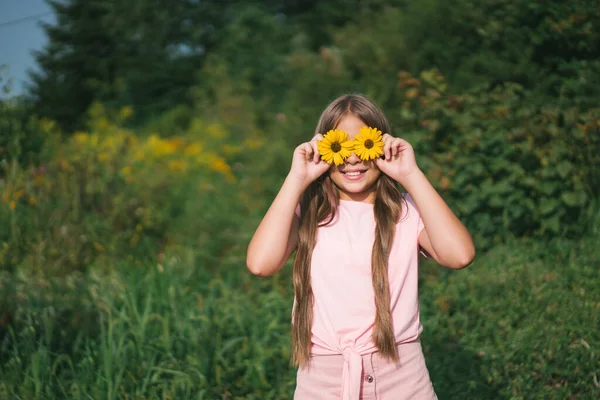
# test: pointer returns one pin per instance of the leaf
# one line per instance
(548, 205)
(574, 199)
(552, 224)
(548, 188)
(564, 168)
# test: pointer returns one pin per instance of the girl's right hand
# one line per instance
(307, 165)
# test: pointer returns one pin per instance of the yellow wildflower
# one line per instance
(177, 142)
(12, 205)
(219, 165)
(64, 165)
(368, 144)
(98, 247)
(163, 147)
(411, 93)
(177, 166)
(193, 149)
(18, 194)
(126, 170)
(253, 144)
(216, 131)
(102, 124)
(47, 125)
(231, 150)
(139, 155)
(335, 147)
(126, 112)
(80, 137)
(134, 240)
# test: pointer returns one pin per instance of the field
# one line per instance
(520, 323)
(143, 155)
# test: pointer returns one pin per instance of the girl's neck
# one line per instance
(364, 197)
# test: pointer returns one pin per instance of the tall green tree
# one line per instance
(147, 53)
(79, 64)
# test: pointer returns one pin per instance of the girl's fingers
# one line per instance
(387, 147)
(308, 151)
(396, 145)
(315, 141)
(315, 151)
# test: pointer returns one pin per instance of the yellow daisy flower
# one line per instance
(368, 144)
(335, 147)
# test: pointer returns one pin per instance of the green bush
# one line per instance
(108, 195)
(21, 133)
(505, 328)
(507, 167)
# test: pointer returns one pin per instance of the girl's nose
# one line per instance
(353, 159)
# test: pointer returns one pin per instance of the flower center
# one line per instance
(369, 144)
(335, 147)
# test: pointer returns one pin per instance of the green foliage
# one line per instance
(542, 46)
(21, 133)
(108, 194)
(122, 250)
(507, 167)
(78, 65)
(515, 324)
(502, 329)
(173, 331)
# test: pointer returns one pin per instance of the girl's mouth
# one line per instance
(354, 175)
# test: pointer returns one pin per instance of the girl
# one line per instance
(355, 319)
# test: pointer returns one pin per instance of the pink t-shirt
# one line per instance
(344, 301)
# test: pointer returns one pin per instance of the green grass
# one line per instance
(521, 323)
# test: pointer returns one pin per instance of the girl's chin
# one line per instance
(355, 187)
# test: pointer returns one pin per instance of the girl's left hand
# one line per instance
(399, 162)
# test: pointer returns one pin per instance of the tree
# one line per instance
(78, 66)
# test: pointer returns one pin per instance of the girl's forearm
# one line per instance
(275, 237)
(449, 238)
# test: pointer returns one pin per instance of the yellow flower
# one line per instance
(231, 150)
(368, 144)
(64, 165)
(125, 112)
(176, 166)
(80, 137)
(252, 144)
(47, 125)
(335, 147)
(135, 239)
(193, 149)
(18, 194)
(216, 131)
(98, 247)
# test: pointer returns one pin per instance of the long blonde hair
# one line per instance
(318, 207)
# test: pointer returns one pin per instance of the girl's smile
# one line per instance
(353, 174)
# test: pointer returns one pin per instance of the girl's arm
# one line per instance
(444, 237)
(276, 237)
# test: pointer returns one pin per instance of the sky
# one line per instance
(20, 35)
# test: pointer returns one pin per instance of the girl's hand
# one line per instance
(399, 162)
(307, 165)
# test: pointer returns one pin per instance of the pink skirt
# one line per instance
(408, 378)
